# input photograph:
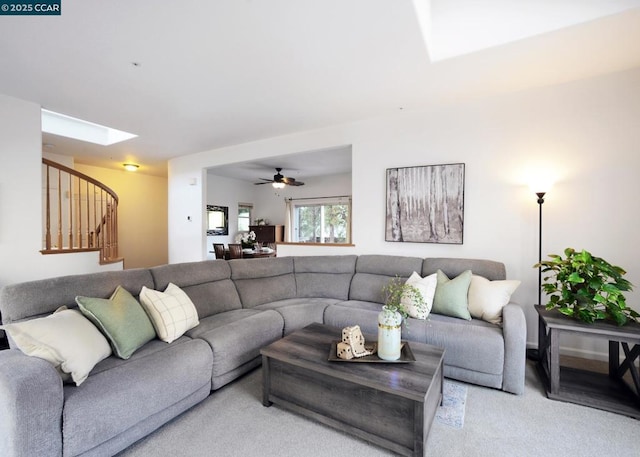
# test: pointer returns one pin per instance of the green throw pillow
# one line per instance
(451, 295)
(121, 319)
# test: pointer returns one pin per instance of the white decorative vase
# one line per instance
(389, 334)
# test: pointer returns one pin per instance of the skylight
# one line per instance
(71, 127)
(453, 28)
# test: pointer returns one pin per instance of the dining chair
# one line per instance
(235, 251)
(218, 248)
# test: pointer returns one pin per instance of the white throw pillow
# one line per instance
(172, 312)
(487, 298)
(66, 338)
(427, 288)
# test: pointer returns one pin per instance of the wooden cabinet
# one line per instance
(268, 233)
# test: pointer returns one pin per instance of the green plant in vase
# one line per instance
(394, 313)
(397, 293)
(586, 287)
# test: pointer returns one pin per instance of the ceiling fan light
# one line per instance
(278, 185)
(130, 166)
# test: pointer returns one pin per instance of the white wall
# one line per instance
(21, 201)
(585, 134)
(142, 214)
(228, 192)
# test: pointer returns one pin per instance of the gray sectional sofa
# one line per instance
(242, 305)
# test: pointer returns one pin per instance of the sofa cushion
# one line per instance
(261, 281)
(208, 284)
(452, 267)
(324, 276)
(451, 298)
(354, 312)
(66, 339)
(299, 312)
(373, 272)
(235, 337)
(116, 399)
(172, 312)
(44, 296)
(121, 319)
(472, 345)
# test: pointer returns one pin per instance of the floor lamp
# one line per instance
(540, 202)
(533, 354)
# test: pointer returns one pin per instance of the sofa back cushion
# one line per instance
(260, 281)
(324, 276)
(373, 272)
(35, 298)
(452, 267)
(208, 284)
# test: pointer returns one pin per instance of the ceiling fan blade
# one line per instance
(279, 178)
(292, 182)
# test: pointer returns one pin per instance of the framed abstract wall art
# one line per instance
(425, 204)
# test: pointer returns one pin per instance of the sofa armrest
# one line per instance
(31, 399)
(514, 330)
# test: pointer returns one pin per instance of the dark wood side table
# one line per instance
(608, 392)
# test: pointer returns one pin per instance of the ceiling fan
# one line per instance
(279, 181)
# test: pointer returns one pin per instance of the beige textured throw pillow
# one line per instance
(66, 339)
(171, 312)
(487, 298)
(427, 288)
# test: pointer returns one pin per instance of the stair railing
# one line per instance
(80, 213)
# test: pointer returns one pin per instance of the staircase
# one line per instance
(80, 213)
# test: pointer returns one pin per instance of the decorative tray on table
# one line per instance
(406, 355)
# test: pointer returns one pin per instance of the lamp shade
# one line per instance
(541, 184)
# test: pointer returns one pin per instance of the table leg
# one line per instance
(266, 381)
(629, 365)
(614, 358)
(554, 361)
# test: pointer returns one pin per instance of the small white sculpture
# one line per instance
(352, 344)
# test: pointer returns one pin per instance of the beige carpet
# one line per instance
(233, 422)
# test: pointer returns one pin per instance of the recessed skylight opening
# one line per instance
(70, 127)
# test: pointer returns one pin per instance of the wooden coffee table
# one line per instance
(389, 404)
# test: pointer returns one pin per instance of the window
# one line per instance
(321, 220)
(244, 216)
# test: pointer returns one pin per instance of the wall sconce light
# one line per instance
(130, 166)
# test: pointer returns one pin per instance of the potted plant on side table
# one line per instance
(587, 287)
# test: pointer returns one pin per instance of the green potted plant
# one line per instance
(586, 287)
(394, 312)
